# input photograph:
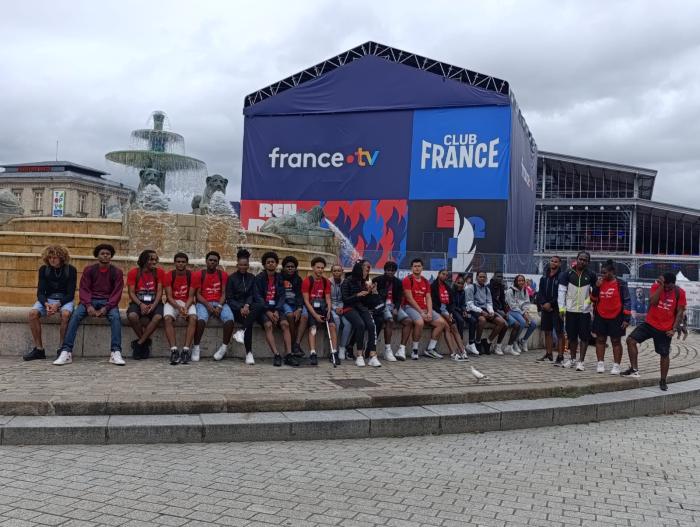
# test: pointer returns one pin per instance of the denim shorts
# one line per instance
(415, 315)
(41, 308)
(388, 313)
(288, 310)
(225, 316)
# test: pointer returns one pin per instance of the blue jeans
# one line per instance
(518, 317)
(343, 327)
(80, 313)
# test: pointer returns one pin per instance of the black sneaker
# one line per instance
(174, 356)
(290, 360)
(663, 385)
(484, 347)
(146, 349)
(58, 352)
(185, 356)
(545, 358)
(313, 359)
(297, 351)
(630, 372)
(334, 359)
(35, 354)
(277, 361)
(135, 350)
(559, 360)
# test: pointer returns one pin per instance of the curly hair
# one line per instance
(56, 250)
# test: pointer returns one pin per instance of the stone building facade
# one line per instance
(62, 189)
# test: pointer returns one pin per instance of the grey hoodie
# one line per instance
(517, 299)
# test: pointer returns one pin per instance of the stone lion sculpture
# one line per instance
(215, 183)
(151, 176)
(302, 222)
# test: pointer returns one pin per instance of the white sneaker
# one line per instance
(66, 357)
(523, 346)
(249, 359)
(116, 358)
(374, 362)
(567, 363)
(615, 369)
(464, 355)
(432, 354)
(221, 352)
(516, 346)
(360, 361)
(510, 350)
(195, 353)
(472, 349)
(414, 355)
(497, 349)
(341, 353)
(388, 355)
(600, 367)
(239, 336)
(401, 353)
(457, 357)
(579, 366)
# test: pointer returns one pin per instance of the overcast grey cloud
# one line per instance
(616, 81)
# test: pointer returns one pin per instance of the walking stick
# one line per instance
(334, 354)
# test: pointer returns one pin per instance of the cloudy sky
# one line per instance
(617, 81)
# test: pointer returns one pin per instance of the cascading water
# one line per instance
(348, 254)
(165, 151)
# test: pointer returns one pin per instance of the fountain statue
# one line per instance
(158, 153)
(214, 184)
(9, 206)
(303, 229)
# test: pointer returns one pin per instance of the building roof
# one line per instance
(53, 166)
(374, 76)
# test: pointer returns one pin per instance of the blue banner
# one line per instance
(327, 157)
(460, 153)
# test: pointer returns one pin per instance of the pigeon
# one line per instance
(478, 375)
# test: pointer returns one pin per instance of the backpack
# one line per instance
(187, 273)
(112, 273)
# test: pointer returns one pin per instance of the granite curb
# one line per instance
(348, 423)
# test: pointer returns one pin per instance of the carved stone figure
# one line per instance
(151, 199)
(215, 183)
(301, 223)
(9, 204)
(151, 176)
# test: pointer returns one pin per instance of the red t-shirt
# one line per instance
(146, 280)
(609, 302)
(444, 294)
(318, 291)
(419, 287)
(180, 289)
(663, 315)
(271, 290)
(212, 288)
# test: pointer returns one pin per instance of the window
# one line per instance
(18, 194)
(38, 200)
(103, 207)
(82, 198)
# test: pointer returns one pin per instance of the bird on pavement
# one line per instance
(478, 375)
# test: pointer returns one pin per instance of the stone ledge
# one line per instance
(377, 422)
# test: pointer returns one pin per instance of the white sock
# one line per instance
(341, 349)
(174, 348)
(432, 344)
(402, 348)
(312, 352)
(415, 346)
(387, 347)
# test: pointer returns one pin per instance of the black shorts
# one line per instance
(662, 342)
(551, 321)
(134, 308)
(578, 326)
(323, 311)
(608, 327)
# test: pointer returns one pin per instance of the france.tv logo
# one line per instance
(360, 157)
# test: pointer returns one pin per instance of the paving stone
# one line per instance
(330, 424)
(154, 429)
(402, 421)
(55, 430)
(470, 417)
(272, 426)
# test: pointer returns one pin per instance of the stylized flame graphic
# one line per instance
(466, 247)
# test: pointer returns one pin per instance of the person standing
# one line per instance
(100, 291)
(667, 303)
(55, 293)
(611, 298)
(574, 302)
(180, 303)
(551, 324)
(145, 289)
(211, 290)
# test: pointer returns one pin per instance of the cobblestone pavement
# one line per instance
(635, 472)
(156, 378)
